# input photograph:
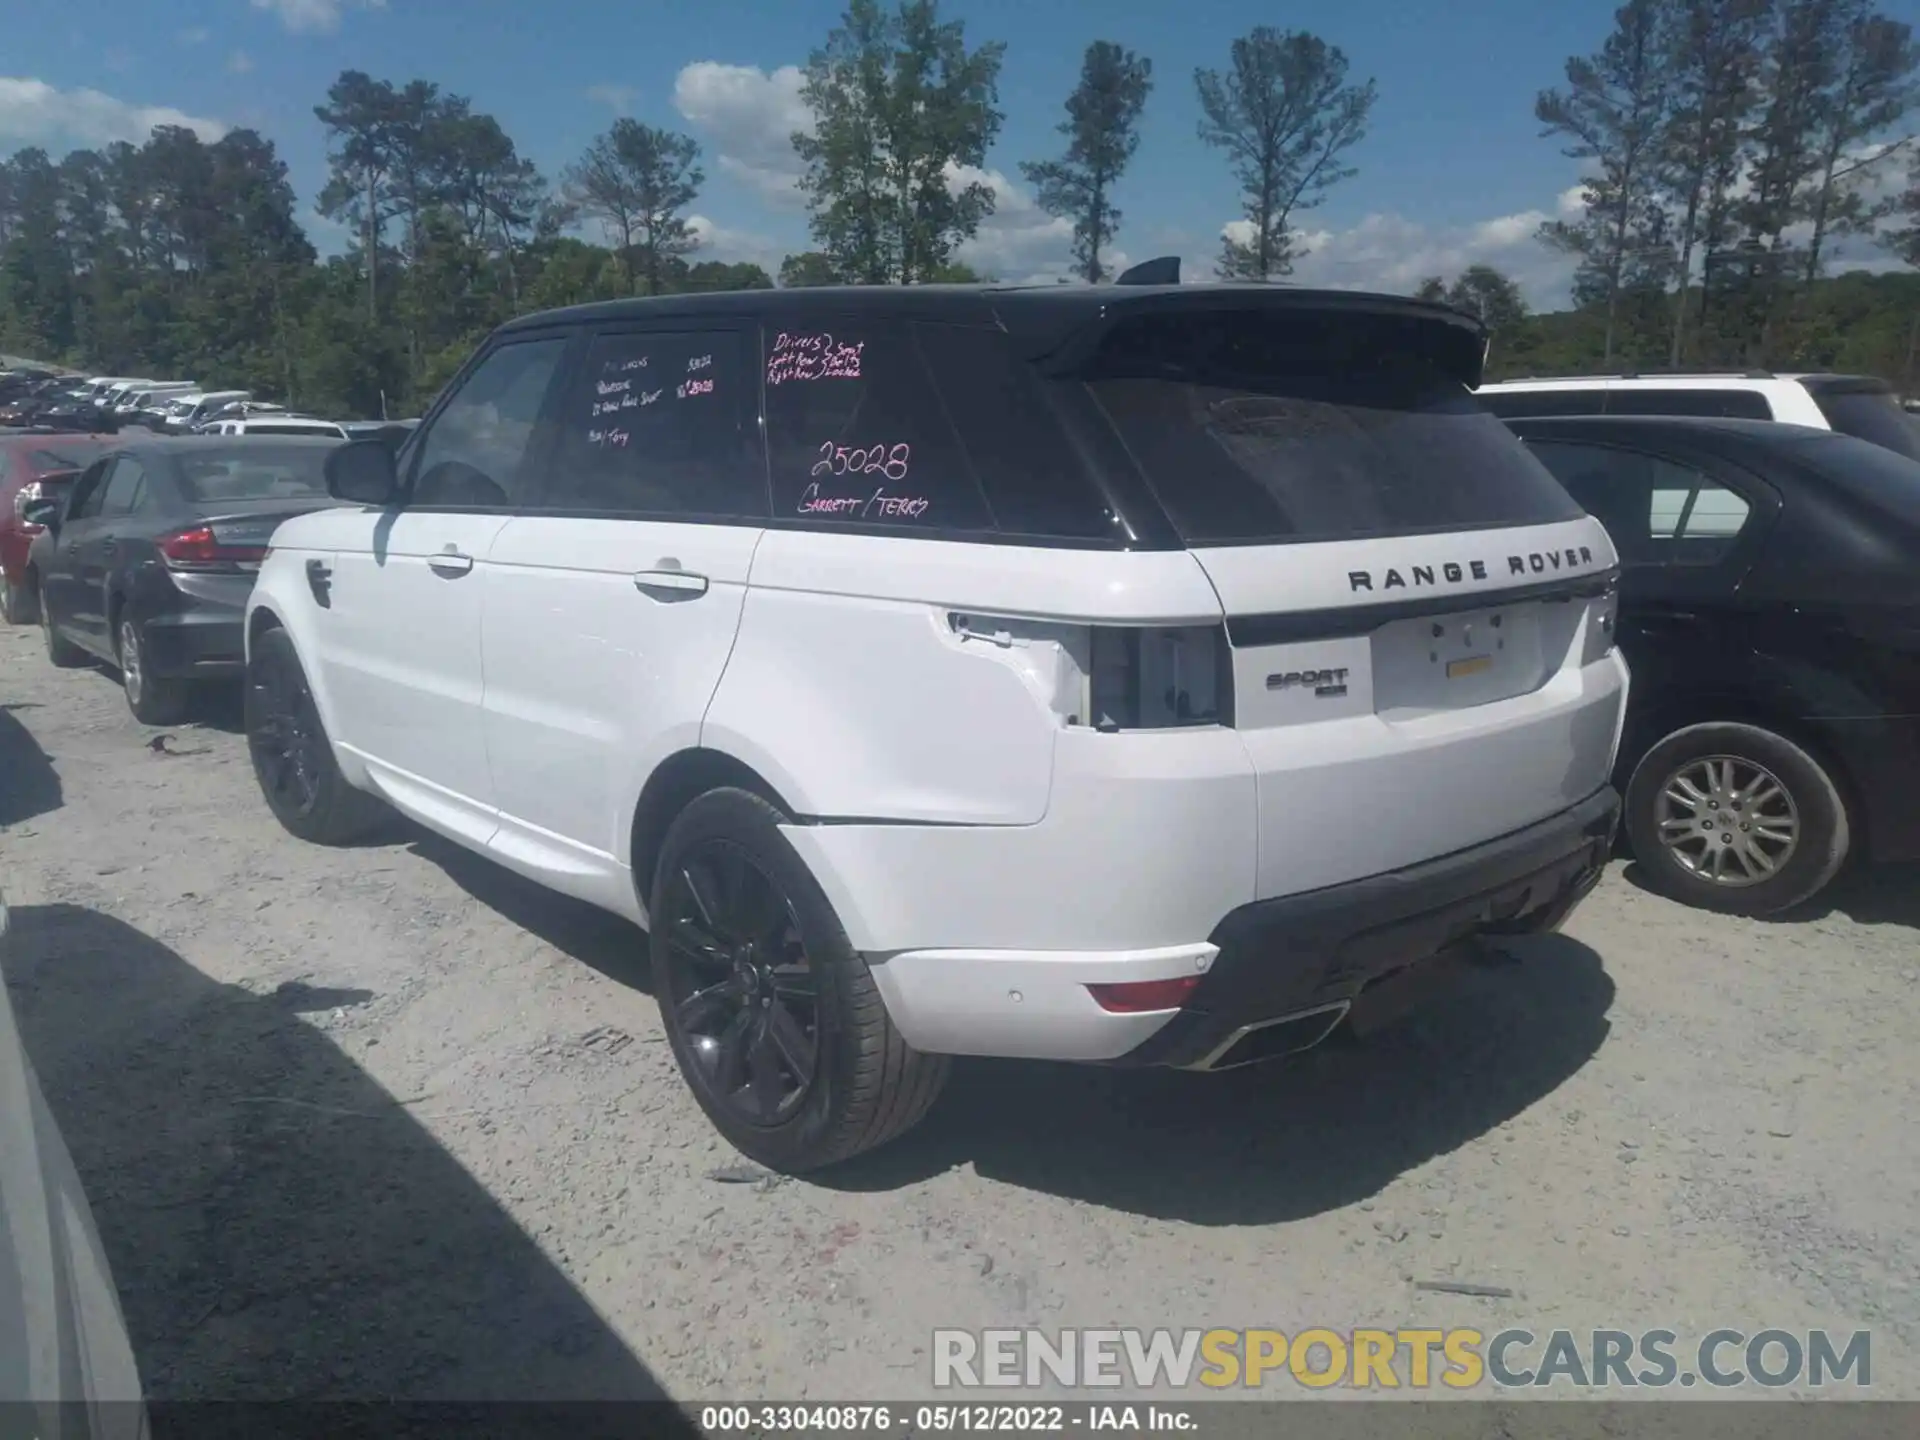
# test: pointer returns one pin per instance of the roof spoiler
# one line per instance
(1164, 271)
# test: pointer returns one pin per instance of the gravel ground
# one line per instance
(391, 1122)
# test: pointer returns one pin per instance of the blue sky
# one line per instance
(1453, 170)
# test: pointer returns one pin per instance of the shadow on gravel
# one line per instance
(29, 785)
(220, 706)
(1865, 894)
(279, 1226)
(598, 940)
(1272, 1143)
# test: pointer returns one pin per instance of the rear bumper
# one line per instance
(1307, 956)
(204, 642)
(1313, 955)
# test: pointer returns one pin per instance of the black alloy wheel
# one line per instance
(292, 756)
(283, 734)
(740, 984)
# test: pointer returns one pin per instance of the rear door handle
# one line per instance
(450, 564)
(668, 586)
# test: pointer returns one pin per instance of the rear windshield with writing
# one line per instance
(1258, 427)
(657, 424)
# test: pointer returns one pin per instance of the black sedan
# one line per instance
(148, 560)
(1770, 615)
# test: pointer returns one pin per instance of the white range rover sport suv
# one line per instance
(1140, 674)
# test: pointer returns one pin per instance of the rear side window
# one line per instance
(1259, 427)
(1525, 404)
(1872, 415)
(1012, 436)
(857, 433)
(657, 423)
(1656, 511)
(1678, 400)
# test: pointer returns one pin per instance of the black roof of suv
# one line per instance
(1042, 314)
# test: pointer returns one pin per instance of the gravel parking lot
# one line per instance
(390, 1122)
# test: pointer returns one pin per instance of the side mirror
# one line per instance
(43, 512)
(363, 472)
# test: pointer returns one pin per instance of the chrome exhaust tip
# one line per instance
(1276, 1038)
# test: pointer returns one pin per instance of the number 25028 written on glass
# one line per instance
(876, 460)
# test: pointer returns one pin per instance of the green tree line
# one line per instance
(1724, 144)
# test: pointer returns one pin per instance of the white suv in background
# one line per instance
(1857, 405)
(279, 425)
(1132, 674)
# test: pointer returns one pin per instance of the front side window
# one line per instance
(661, 424)
(474, 451)
(90, 491)
(857, 436)
(1260, 426)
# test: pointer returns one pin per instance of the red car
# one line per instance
(27, 463)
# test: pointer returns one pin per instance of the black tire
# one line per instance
(61, 652)
(1809, 808)
(153, 699)
(17, 605)
(867, 1085)
(292, 756)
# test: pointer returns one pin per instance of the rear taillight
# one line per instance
(1118, 677)
(1603, 623)
(1153, 678)
(200, 549)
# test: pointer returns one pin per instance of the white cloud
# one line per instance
(198, 35)
(1389, 252)
(33, 112)
(713, 241)
(239, 63)
(617, 98)
(1020, 243)
(748, 117)
(314, 17)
